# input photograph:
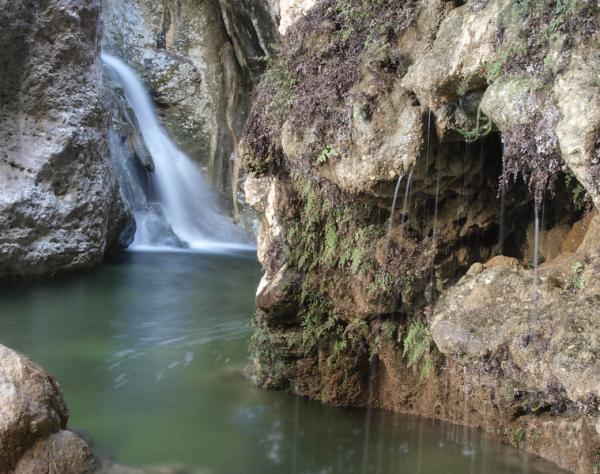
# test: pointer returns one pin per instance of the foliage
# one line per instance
(327, 153)
(417, 347)
(267, 367)
(576, 281)
(581, 199)
(596, 462)
(519, 436)
(483, 126)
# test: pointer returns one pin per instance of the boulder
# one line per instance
(59, 453)
(465, 43)
(33, 420)
(546, 333)
(60, 205)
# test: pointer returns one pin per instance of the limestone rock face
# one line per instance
(400, 172)
(465, 42)
(577, 93)
(33, 419)
(60, 205)
(291, 10)
(385, 144)
(549, 333)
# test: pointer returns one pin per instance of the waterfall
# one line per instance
(185, 213)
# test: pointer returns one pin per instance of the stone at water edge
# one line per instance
(33, 420)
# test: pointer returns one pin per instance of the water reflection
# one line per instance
(149, 350)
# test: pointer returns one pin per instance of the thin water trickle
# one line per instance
(186, 203)
(536, 256)
(502, 216)
(391, 221)
(434, 231)
(405, 203)
(372, 366)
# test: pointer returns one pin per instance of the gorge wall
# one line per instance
(60, 205)
(428, 189)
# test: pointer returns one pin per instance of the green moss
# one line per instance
(581, 199)
(267, 367)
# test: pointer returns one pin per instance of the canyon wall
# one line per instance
(60, 204)
(428, 189)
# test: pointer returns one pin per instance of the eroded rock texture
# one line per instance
(33, 421)
(60, 205)
(427, 188)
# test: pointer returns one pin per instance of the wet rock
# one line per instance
(502, 262)
(33, 419)
(60, 205)
(510, 101)
(279, 294)
(577, 93)
(475, 269)
(465, 43)
(59, 453)
(266, 195)
(551, 334)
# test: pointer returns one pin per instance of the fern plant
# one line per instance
(417, 347)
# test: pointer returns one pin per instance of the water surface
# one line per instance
(149, 351)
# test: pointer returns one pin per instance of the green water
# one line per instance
(149, 351)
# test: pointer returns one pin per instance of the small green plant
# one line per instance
(580, 197)
(576, 281)
(519, 436)
(331, 242)
(325, 154)
(483, 126)
(386, 333)
(535, 435)
(357, 330)
(417, 347)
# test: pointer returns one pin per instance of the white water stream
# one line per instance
(185, 200)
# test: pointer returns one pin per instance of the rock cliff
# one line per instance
(60, 205)
(427, 184)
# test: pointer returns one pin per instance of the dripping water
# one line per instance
(372, 365)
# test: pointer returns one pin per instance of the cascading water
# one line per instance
(185, 202)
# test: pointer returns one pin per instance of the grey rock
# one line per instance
(60, 205)
(551, 335)
(59, 453)
(33, 419)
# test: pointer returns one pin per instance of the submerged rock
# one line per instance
(60, 204)
(33, 421)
